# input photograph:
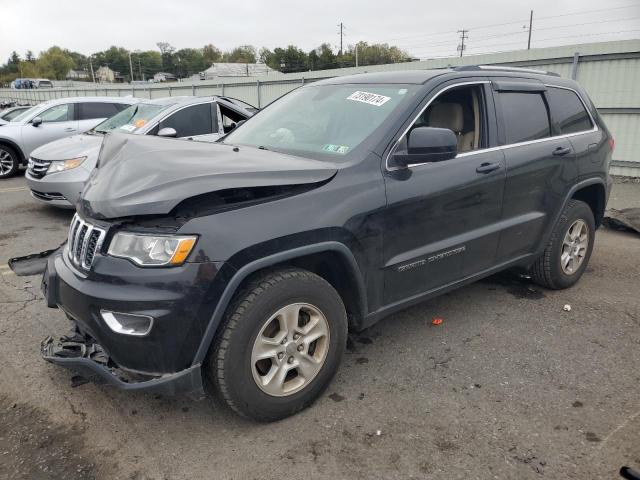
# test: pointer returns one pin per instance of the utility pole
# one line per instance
(93, 76)
(342, 27)
(356, 54)
(130, 67)
(530, 27)
(463, 37)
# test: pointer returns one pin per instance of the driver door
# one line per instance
(442, 218)
(58, 122)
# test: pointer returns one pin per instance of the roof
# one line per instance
(58, 101)
(415, 77)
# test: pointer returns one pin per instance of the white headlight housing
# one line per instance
(152, 250)
(62, 165)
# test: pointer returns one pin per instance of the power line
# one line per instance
(519, 32)
(482, 27)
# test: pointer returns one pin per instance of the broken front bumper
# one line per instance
(163, 361)
(91, 362)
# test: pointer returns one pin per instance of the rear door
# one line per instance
(572, 118)
(540, 165)
(57, 122)
(91, 114)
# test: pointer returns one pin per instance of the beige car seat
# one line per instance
(450, 115)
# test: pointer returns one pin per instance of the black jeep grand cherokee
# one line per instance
(241, 265)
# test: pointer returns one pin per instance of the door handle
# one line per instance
(560, 151)
(487, 167)
(70, 129)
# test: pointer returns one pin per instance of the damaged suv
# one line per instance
(243, 266)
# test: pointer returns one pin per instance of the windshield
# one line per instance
(24, 114)
(131, 118)
(325, 121)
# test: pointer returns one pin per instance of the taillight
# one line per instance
(612, 143)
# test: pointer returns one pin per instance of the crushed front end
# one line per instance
(134, 327)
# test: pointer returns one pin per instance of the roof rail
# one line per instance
(504, 69)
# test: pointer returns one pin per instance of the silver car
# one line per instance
(51, 121)
(57, 172)
(8, 114)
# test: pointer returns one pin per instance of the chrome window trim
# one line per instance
(496, 148)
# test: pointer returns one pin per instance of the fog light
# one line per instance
(128, 323)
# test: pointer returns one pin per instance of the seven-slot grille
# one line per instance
(85, 239)
(38, 168)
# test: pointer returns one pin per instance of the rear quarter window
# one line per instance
(568, 111)
(524, 116)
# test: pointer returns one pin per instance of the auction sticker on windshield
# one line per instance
(128, 128)
(370, 98)
(341, 149)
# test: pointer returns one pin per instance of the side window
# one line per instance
(461, 110)
(91, 110)
(568, 110)
(59, 113)
(190, 121)
(229, 118)
(524, 116)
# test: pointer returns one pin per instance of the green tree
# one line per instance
(189, 61)
(166, 51)
(54, 63)
(211, 55)
(241, 54)
(322, 58)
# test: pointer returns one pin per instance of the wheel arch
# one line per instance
(14, 146)
(344, 275)
(594, 195)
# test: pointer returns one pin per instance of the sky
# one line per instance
(424, 28)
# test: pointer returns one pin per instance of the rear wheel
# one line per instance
(9, 161)
(279, 346)
(569, 250)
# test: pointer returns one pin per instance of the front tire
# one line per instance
(279, 346)
(569, 249)
(9, 161)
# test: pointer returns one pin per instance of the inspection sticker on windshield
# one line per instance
(341, 149)
(128, 128)
(370, 98)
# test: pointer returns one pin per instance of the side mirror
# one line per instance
(167, 132)
(36, 122)
(425, 145)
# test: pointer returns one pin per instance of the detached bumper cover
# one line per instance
(91, 362)
(181, 300)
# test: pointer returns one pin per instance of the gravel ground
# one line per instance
(508, 386)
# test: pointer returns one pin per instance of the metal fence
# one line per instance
(610, 72)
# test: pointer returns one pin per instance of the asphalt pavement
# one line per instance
(509, 386)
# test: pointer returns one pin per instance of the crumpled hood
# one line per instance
(71, 147)
(143, 175)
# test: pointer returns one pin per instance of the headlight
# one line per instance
(152, 250)
(62, 165)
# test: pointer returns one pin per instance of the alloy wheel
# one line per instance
(574, 247)
(290, 349)
(6, 162)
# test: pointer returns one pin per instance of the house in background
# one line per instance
(164, 77)
(78, 75)
(235, 70)
(105, 75)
